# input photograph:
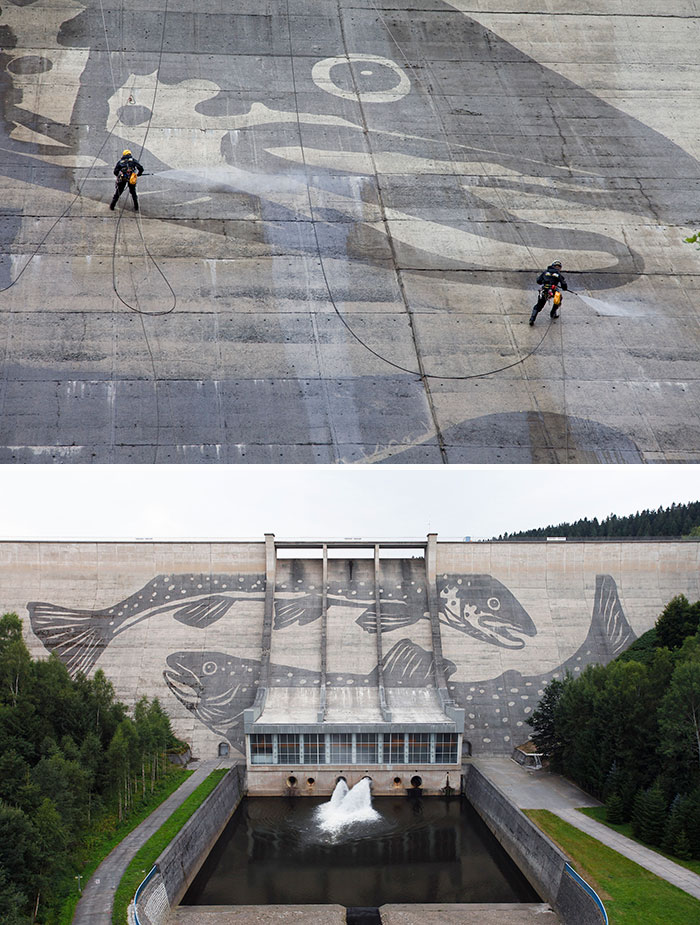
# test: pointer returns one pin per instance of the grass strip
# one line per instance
(100, 846)
(625, 828)
(631, 894)
(145, 857)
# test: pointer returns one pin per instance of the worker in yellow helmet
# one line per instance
(126, 172)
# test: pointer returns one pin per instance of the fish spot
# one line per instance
(514, 690)
(171, 587)
(471, 726)
(511, 703)
(472, 716)
(519, 723)
(469, 696)
(302, 681)
(290, 674)
(495, 697)
(528, 709)
(524, 697)
(506, 738)
(486, 740)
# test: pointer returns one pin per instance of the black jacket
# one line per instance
(552, 277)
(126, 166)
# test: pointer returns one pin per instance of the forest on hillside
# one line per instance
(677, 520)
(73, 766)
(629, 732)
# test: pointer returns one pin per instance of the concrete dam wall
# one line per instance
(344, 211)
(213, 629)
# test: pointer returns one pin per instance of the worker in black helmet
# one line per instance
(552, 276)
(126, 172)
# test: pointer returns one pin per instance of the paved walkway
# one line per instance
(542, 790)
(95, 906)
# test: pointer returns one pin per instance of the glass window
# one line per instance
(314, 748)
(261, 749)
(446, 748)
(341, 748)
(366, 748)
(418, 747)
(394, 743)
(287, 748)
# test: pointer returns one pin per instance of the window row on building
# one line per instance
(354, 748)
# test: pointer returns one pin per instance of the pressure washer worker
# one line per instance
(126, 171)
(552, 276)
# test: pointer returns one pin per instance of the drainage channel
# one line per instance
(363, 915)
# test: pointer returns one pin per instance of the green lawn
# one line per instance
(598, 813)
(146, 856)
(99, 844)
(631, 894)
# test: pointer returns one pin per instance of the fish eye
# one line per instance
(493, 603)
(375, 67)
(209, 668)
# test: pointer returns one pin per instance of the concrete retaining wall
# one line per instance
(544, 865)
(179, 863)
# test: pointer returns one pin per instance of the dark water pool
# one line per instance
(420, 850)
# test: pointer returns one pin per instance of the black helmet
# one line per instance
(556, 263)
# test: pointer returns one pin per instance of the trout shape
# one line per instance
(217, 687)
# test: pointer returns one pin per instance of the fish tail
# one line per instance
(71, 634)
(610, 617)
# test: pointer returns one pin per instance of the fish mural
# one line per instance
(374, 105)
(478, 605)
(482, 607)
(79, 637)
(217, 687)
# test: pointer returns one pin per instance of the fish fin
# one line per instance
(367, 621)
(296, 611)
(204, 612)
(74, 635)
(607, 610)
(394, 616)
(407, 664)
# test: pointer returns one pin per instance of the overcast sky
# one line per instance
(114, 502)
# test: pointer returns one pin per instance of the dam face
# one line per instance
(389, 662)
(345, 209)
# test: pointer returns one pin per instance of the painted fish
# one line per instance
(497, 709)
(478, 605)
(217, 687)
(79, 637)
(249, 128)
(482, 607)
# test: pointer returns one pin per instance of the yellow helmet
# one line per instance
(126, 153)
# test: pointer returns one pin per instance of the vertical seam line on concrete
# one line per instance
(392, 248)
